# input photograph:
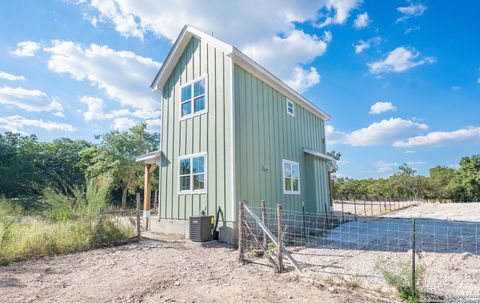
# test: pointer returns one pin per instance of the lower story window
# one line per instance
(291, 177)
(192, 173)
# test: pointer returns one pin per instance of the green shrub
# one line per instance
(399, 276)
(9, 208)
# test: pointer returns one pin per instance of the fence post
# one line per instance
(138, 216)
(241, 234)
(343, 220)
(303, 220)
(264, 220)
(414, 284)
(155, 200)
(355, 208)
(279, 238)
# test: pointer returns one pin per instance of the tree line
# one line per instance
(443, 184)
(28, 167)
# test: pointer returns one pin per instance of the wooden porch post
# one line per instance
(147, 189)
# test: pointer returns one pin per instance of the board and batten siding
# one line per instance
(265, 135)
(209, 132)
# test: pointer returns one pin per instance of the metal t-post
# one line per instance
(414, 284)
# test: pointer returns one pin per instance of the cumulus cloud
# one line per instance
(123, 123)
(26, 49)
(101, 67)
(413, 10)
(338, 11)
(29, 100)
(381, 107)
(440, 138)
(303, 79)
(361, 21)
(384, 132)
(362, 45)
(10, 77)
(95, 111)
(389, 167)
(399, 60)
(274, 42)
(17, 124)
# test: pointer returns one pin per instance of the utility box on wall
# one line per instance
(201, 228)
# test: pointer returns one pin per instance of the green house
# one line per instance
(232, 131)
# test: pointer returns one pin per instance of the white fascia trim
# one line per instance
(256, 69)
(232, 138)
(178, 47)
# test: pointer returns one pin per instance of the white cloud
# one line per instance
(95, 111)
(26, 49)
(338, 11)
(440, 138)
(381, 107)
(10, 77)
(18, 124)
(29, 100)
(122, 75)
(411, 11)
(123, 123)
(361, 21)
(362, 45)
(399, 60)
(478, 80)
(272, 41)
(303, 79)
(389, 167)
(409, 151)
(386, 131)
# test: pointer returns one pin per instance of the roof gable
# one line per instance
(238, 57)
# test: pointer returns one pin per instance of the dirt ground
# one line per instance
(163, 269)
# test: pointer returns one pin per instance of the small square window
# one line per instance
(290, 108)
(192, 174)
(291, 177)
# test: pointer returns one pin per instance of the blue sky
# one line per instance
(401, 79)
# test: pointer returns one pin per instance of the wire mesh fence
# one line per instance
(333, 243)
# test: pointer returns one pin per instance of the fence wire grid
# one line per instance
(343, 232)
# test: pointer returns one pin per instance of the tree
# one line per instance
(439, 182)
(115, 156)
(465, 186)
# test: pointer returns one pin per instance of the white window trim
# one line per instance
(293, 107)
(192, 114)
(192, 191)
(290, 192)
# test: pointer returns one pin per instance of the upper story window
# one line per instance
(193, 97)
(192, 173)
(291, 177)
(290, 108)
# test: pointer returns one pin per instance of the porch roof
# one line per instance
(332, 165)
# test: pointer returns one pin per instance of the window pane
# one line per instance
(295, 170)
(185, 183)
(295, 185)
(185, 167)
(287, 170)
(186, 93)
(186, 108)
(199, 164)
(288, 184)
(199, 181)
(199, 104)
(199, 88)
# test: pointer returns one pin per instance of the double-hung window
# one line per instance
(192, 173)
(290, 108)
(193, 97)
(291, 177)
